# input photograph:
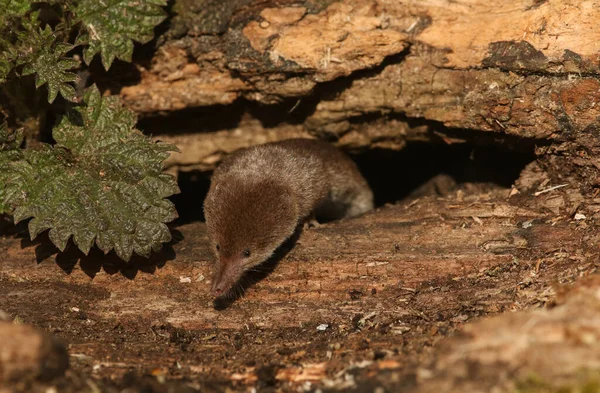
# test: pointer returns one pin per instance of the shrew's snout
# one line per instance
(218, 289)
(224, 278)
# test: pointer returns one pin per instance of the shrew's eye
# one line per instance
(217, 247)
(246, 253)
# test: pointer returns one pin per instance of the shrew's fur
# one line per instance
(258, 197)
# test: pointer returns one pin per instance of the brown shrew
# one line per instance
(260, 195)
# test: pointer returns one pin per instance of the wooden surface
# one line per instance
(371, 73)
(368, 294)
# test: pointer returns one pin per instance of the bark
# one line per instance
(370, 73)
(546, 349)
(356, 302)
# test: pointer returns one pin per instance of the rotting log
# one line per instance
(540, 350)
(352, 301)
(378, 73)
(357, 302)
(27, 354)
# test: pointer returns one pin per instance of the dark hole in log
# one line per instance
(417, 170)
(438, 169)
(189, 203)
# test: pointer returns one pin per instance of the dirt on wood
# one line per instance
(353, 305)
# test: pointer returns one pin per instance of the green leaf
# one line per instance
(9, 153)
(101, 182)
(5, 67)
(111, 25)
(12, 8)
(10, 12)
(47, 59)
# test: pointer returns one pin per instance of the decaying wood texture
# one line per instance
(27, 353)
(376, 72)
(355, 302)
(540, 346)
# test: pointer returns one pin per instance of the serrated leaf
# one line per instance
(5, 67)
(22, 213)
(11, 14)
(9, 153)
(112, 26)
(60, 236)
(10, 141)
(84, 131)
(101, 182)
(47, 59)
(37, 226)
(4, 209)
(14, 7)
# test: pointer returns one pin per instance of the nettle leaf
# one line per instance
(111, 25)
(5, 67)
(10, 152)
(47, 59)
(12, 8)
(101, 182)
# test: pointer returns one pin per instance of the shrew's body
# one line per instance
(258, 197)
